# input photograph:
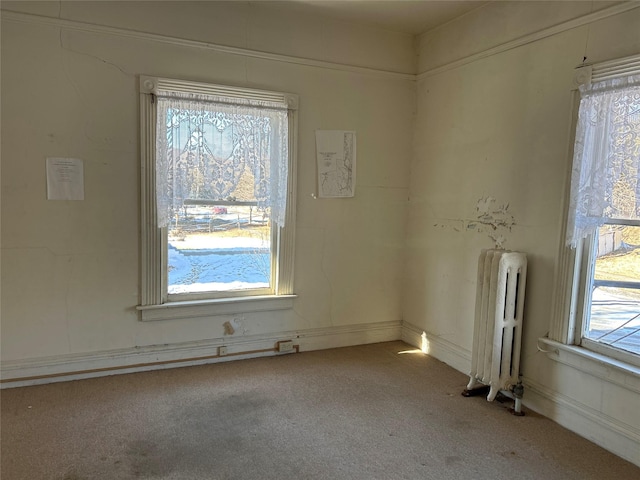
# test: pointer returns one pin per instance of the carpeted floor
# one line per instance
(366, 412)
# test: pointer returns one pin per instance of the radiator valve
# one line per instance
(518, 392)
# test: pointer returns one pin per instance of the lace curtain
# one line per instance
(605, 179)
(205, 145)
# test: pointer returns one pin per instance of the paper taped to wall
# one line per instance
(336, 158)
(65, 179)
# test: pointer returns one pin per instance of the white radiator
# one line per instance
(497, 333)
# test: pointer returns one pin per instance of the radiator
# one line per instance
(497, 332)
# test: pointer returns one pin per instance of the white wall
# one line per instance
(70, 270)
(499, 126)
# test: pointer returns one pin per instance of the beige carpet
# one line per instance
(367, 412)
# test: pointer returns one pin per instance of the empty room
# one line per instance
(282, 239)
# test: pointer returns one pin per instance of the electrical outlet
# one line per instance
(285, 346)
(222, 351)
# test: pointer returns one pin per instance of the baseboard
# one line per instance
(18, 373)
(437, 347)
(601, 429)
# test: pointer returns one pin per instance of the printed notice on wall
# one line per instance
(65, 179)
(336, 157)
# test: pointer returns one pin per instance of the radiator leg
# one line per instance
(492, 393)
(473, 383)
(518, 392)
(474, 388)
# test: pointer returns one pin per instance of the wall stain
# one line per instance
(234, 326)
(228, 328)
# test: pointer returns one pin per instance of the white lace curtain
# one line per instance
(605, 180)
(206, 144)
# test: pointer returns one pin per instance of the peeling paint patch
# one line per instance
(499, 240)
(455, 225)
(493, 219)
(492, 215)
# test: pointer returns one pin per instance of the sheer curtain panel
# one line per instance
(204, 144)
(605, 182)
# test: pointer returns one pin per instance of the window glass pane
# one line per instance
(219, 248)
(615, 297)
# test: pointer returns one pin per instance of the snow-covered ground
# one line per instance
(208, 263)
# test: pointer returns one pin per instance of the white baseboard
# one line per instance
(619, 438)
(597, 427)
(437, 347)
(18, 373)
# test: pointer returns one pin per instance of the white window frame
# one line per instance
(586, 274)
(574, 271)
(155, 303)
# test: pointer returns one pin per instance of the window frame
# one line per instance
(574, 268)
(155, 302)
(586, 275)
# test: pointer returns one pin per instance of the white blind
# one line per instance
(621, 67)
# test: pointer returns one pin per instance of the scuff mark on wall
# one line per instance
(492, 219)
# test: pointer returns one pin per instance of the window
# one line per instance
(612, 278)
(218, 197)
(604, 215)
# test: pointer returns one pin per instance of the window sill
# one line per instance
(212, 307)
(596, 364)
